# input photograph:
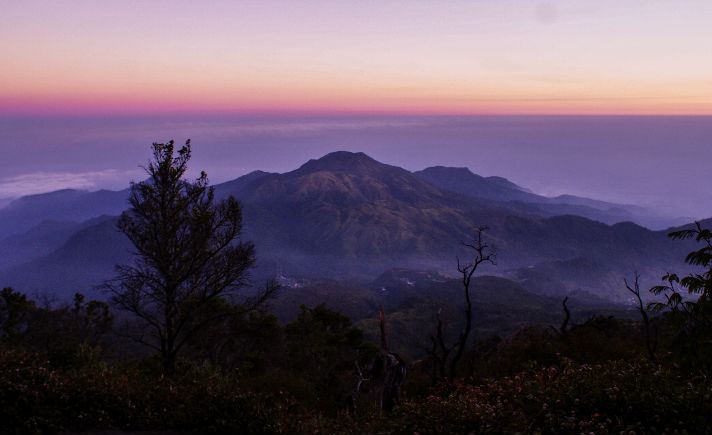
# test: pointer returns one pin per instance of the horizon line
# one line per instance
(336, 114)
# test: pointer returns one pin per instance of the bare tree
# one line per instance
(443, 354)
(439, 352)
(565, 323)
(650, 344)
(393, 369)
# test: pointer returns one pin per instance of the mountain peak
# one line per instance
(339, 161)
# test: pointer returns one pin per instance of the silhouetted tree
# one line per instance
(651, 343)
(440, 351)
(698, 312)
(241, 339)
(88, 321)
(700, 283)
(690, 317)
(567, 317)
(15, 309)
(58, 332)
(389, 370)
(321, 344)
(188, 253)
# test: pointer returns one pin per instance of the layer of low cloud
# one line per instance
(653, 161)
(41, 182)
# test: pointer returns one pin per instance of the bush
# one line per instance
(37, 398)
(612, 397)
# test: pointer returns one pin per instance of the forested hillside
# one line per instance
(187, 340)
(348, 217)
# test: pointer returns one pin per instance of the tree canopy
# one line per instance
(188, 253)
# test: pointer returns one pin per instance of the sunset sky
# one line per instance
(364, 57)
(87, 86)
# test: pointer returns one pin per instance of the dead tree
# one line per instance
(651, 344)
(565, 323)
(386, 373)
(382, 325)
(352, 397)
(440, 351)
(393, 369)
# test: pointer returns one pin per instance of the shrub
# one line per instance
(612, 397)
(37, 398)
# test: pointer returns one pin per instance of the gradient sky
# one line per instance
(661, 162)
(373, 57)
(86, 86)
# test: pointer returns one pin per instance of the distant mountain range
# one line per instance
(347, 217)
(463, 181)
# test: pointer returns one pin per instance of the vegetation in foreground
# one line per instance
(226, 366)
(38, 395)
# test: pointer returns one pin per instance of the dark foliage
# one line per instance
(690, 315)
(240, 371)
(188, 254)
(36, 397)
(64, 334)
(322, 348)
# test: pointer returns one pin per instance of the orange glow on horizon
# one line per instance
(319, 93)
(108, 92)
(426, 58)
(132, 104)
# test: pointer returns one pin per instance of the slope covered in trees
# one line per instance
(514, 366)
(346, 216)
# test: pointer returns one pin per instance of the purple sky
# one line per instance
(86, 86)
(654, 161)
(326, 56)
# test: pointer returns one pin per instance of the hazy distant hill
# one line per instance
(38, 241)
(86, 259)
(464, 182)
(62, 205)
(347, 217)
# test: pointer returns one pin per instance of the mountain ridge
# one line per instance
(465, 182)
(327, 220)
